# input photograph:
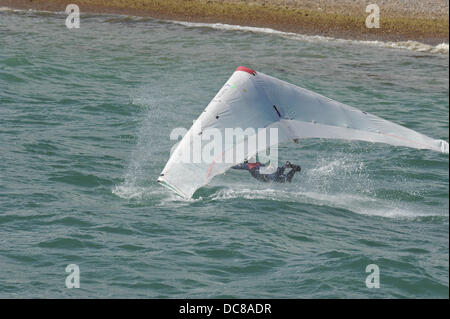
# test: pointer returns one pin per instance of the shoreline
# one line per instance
(344, 21)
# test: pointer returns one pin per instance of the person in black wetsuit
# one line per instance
(278, 176)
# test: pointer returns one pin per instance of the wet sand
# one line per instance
(421, 20)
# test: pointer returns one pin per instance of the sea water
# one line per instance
(85, 120)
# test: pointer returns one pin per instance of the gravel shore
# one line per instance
(400, 20)
(410, 8)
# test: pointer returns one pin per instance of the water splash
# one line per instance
(339, 180)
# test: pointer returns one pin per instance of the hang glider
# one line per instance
(251, 99)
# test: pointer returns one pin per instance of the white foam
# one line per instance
(418, 46)
(3, 9)
(408, 45)
(127, 191)
(6, 9)
(359, 204)
(158, 195)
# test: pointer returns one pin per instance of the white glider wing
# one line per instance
(252, 101)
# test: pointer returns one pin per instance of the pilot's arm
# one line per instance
(243, 166)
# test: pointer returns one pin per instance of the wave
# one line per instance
(442, 48)
(355, 203)
(408, 45)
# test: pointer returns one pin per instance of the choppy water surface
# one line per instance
(85, 117)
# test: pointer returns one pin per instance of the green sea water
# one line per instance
(85, 118)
